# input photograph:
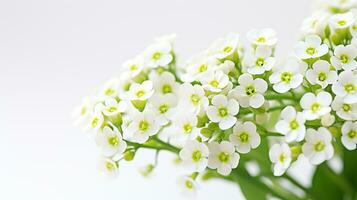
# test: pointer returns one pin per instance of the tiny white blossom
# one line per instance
(224, 47)
(318, 147)
(341, 4)
(250, 92)
(165, 83)
(222, 157)
(108, 166)
(184, 126)
(112, 107)
(158, 54)
(344, 110)
(195, 155)
(260, 61)
(321, 74)
(142, 127)
(95, 120)
(141, 91)
(110, 90)
(346, 87)
(188, 187)
(223, 111)
(266, 36)
(111, 141)
(198, 66)
(344, 57)
(163, 106)
(315, 24)
(214, 81)
(291, 124)
(341, 21)
(245, 137)
(134, 66)
(82, 112)
(315, 106)
(193, 97)
(310, 48)
(349, 135)
(280, 156)
(290, 76)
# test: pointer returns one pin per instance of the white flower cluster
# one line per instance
(218, 106)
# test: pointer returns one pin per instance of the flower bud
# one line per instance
(129, 155)
(327, 120)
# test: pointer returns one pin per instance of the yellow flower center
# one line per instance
(144, 125)
(222, 111)
(294, 124)
(196, 156)
(224, 157)
(319, 146)
(286, 77)
(311, 51)
(156, 56)
(315, 107)
(350, 88)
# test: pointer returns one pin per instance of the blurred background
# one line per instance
(53, 53)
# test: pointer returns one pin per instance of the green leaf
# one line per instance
(323, 184)
(350, 167)
(251, 190)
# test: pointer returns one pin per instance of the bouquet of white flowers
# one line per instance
(234, 105)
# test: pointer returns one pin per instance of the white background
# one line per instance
(52, 53)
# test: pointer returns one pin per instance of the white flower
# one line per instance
(222, 156)
(142, 127)
(310, 48)
(280, 156)
(260, 61)
(250, 92)
(165, 83)
(193, 97)
(82, 112)
(341, 4)
(134, 67)
(227, 66)
(315, 24)
(290, 76)
(344, 110)
(195, 155)
(321, 74)
(315, 106)
(111, 107)
(291, 124)
(341, 21)
(163, 106)
(141, 91)
(346, 87)
(158, 54)
(223, 111)
(110, 90)
(266, 36)
(214, 81)
(349, 135)
(111, 141)
(198, 66)
(224, 47)
(318, 147)
(245, 137)
(344, 57)
(95, 120)
(184, 126)
(188, 187)
(108, 166)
